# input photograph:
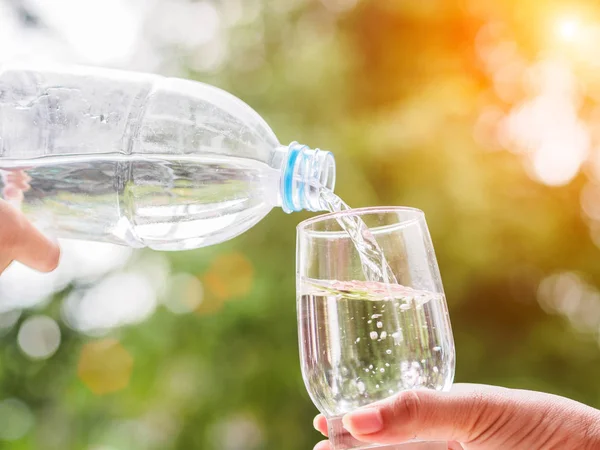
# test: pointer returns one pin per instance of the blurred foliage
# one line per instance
(394, 88)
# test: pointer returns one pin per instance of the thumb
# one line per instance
(420, 415)
(482, 417)
(21, 241)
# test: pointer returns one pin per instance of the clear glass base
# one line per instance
(340, 439)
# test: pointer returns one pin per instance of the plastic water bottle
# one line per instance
(147, 161)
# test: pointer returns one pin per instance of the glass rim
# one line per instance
(304, 226)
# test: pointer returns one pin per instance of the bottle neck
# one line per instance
(304, 174)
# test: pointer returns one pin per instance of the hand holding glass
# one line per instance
(362, 341)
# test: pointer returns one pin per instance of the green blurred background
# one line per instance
(484, 114)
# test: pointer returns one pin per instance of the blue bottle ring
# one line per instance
(288, 178)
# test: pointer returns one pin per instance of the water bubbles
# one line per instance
(361, 387)
(377, 386)
(357, 340)
(398, 337)
(379, 324)
(411, 374)
(435, 369)
(369, 321)
(405, 306)
(373, 335)
(335, 389)
(370, 366)
(437, 348)
(39, 337)
(383, 334)
(388, 351)
(382, 370)
(376, 316)
(387, 364)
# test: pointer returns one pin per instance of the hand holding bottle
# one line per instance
(19, 239)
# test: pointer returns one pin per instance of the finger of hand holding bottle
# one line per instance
(19, 239)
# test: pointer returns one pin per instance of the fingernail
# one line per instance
(363, 421)
(316, 425)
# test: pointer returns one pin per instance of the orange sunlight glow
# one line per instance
(568, 29)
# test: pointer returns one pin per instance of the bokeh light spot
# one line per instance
(215, 293)
(339, 6)
(568, 29)
(105, 366)
(487, 129)
(230, 275)
(184, 294)
(16, 419)
(7, 321)
(567, 294)
(187, 24)
(216, 285)
(547, 127)
(103, 32)
(39, 337)
(22, 287)
(209, 57)
(590, 201)
(556, 164)
(236, 432)
(119, 299)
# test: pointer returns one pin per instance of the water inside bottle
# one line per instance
(164, 202)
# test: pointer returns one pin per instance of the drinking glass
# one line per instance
(363, 341)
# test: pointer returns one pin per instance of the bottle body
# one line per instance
(137, 159)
